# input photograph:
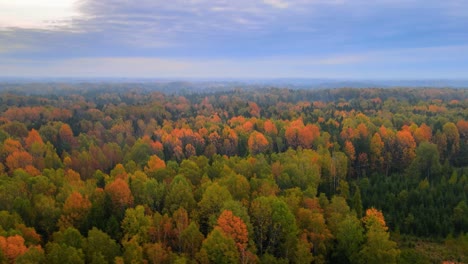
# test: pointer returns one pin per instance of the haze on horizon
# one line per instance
(397, 39)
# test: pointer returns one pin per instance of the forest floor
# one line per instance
(419, 250)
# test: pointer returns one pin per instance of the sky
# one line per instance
(344, 39)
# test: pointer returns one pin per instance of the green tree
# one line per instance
(210, 205)
(34, 255)
(349, 238)
(378, 248)
(133, 252)
(179, 195)
(275, 229)
(136, 223)
(426, 164)
(101, 244)
(220, 248)
(61, 253)
(356, 202)
(191, 239)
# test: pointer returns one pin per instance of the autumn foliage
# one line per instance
(160, 173)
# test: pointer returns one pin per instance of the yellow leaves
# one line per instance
(154, 164)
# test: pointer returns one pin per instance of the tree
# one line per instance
(378, 248)
(136, 223)
(453, 139)
(34, 255)
(211, 204)
(423, 133)
(376, 151)
(140, 153)
(157, 254)
(191, 239)
(275, 227)
(12, 247)
(120, 194)
(234, 227)
(406, 147)
(350, 151)
(133, 252)
(181, 222)
(258, 143)
(356, 202)
(70, 237)
(61, 253)
(426, 164)
(19, 160)
(349, 236)
(100, 243)
(220, 248)
(307, 135)
(75, 211)
(66, 138)
(335, 212)
(179, 195)
(313, 226)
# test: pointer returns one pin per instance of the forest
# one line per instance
(123, 173)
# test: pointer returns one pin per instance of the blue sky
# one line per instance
(352, 39)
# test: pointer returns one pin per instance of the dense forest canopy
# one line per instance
(105, 173)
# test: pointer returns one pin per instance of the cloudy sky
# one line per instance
(379, 39)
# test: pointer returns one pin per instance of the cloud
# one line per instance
(447, 61)
(32, 14)
(276, 3)
(373, 64)
(263, 38)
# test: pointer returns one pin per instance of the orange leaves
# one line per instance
(33, 137)
(75, 209)
(374, 216)
(257, 143)
(307, 135)
(120, 194)
(11, 145)
(12, 247)
(234, 227)
(254, 109)
(406, 147)
(292, 133)
(66, 135)
(19, 159)
(423, 133)
(155, 163)
(349, 150)
(299, 135)
(270, 127)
